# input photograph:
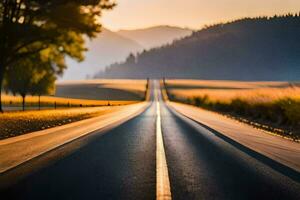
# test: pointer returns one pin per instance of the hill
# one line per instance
(109, 90)
(110, 47)
(107, 48)
(247, 49)
(155, 36)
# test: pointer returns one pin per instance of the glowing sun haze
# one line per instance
(133, 14)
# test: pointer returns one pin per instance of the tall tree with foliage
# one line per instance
(30, 26)
(22, 78)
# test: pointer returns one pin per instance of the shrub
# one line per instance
(201, 101)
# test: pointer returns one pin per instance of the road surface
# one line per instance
(159, 154)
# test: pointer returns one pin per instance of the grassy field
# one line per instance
(85, 93)
(18, 123)
(106, 89)
(49, 101)
(274, 106)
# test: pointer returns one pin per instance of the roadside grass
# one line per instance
(49, 101)
(18, 123)
(225, 84)
(273, 106)
(85, 93)
(94, 102)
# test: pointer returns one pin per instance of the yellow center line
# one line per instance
(163, 191)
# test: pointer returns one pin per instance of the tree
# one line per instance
(30, 26)
(33, 75)
(131, 59)
(20, 78)
(44, 86)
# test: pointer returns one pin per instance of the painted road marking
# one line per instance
(163, 191)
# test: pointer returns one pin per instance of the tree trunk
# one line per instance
(23, 102)
(1, 85)
(39, 102)
(1, 109)
(2, 59)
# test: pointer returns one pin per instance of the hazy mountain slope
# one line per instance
(107, 48)
(247, 49)
(111, 47)
(155, 36)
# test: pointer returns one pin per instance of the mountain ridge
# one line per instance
(262, 48)
(164, 34)
(105, 49)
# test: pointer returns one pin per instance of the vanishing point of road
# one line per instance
(159, 154)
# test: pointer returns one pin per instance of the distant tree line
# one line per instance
(36, 36)
(261, 48)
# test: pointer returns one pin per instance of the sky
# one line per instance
(134, 14)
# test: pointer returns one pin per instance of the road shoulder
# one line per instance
(17, 150)
(281, 150)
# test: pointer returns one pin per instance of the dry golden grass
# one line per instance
(221, 84)
(17, 123)
(250, 95)
(88, 93)
(225, 91)
(74, 93)
(274, 106)
(48, 100)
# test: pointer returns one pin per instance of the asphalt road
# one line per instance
(204, 166)
(121, 164)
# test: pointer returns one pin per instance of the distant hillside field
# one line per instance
(118, 90)
(248, 49)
